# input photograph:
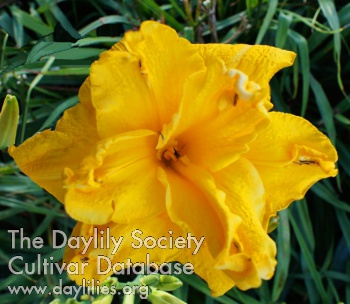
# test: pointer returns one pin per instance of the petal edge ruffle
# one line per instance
(290, 155)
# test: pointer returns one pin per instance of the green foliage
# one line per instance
(47, 48)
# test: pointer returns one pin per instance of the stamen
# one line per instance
(177, 154)
(169, 154)
(305, 160)
(161, 135)
(235, 99)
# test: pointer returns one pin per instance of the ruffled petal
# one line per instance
(120, 95)
(290, 156)
(258, 62)
(204, 266)
(245, 198)
(166, 62)
(103, 253)
(242, 273)
(117, 181)
(44, 156)
(220, 112)
(197, 206)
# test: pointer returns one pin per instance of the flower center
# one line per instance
(174, 152)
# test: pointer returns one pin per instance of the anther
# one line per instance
(235, 99)
(177, 154)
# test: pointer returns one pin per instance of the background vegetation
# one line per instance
(47, 47)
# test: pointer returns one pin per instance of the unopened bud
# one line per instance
(169, 283)
(162, 297)
(150, 280)
(162, 282)
(273, 224)
(71, 301)
(8, 121)
(110, 281)
(85, 297)
(56, 301)
(103, 299)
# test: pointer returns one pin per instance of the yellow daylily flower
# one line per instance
(171, 136)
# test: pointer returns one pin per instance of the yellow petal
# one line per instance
(259, 62)
(220, 112)
(133, 235)
(290, 155)
(245, 198)
(221, 141)
(120, 95)
(44, 156)
(204, 266)
(85, 93)
(166, 62)
(79, 122)
(197, 206)
(242, 273)
(117, 181)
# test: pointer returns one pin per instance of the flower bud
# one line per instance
(162, 282)
(71, 301)
(103, 299)
(110, 281)
(273, 224)
(150, 280)
(162, 297)
(8, 121)
(168, 283)
(56, 301)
